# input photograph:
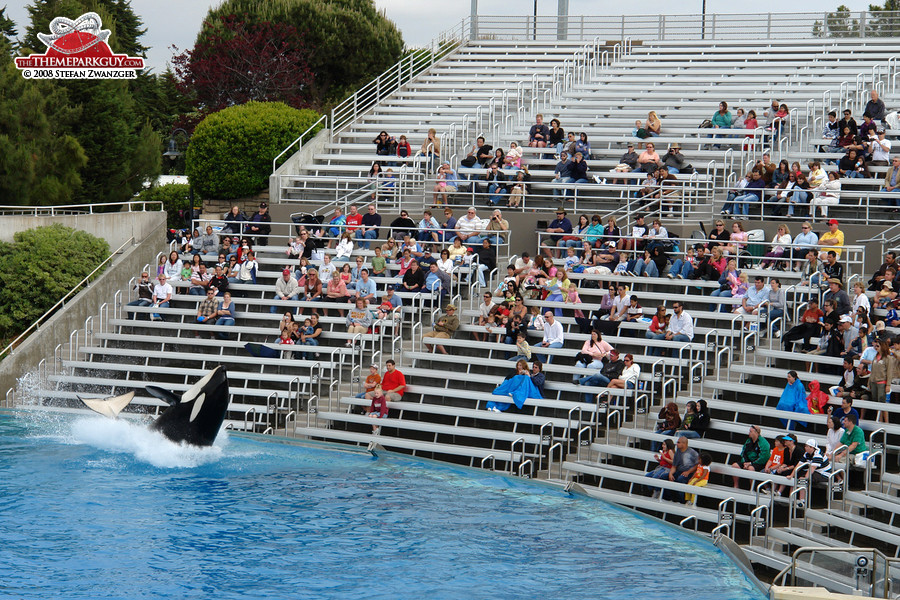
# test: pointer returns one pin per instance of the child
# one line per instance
(326, 270)
(346, 274)
(378, 409)
(404, 262)
(622, 267)
(701, 476)
(372, 379)
(571, 259)
(307, 327)
(665, 458)
(378, 262)
(523, 350)
(286, 337)
(345, 246)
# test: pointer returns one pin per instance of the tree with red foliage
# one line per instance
(239, 61)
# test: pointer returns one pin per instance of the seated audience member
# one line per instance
(611, 369)
(444, 328)
(668, 422)
(206, 310)
(593, 351)
(684, 464)
(162, 295)
(393, 382)
(539, 134)
(809, 327)
(553, 334)
(359, 319)
(754, 453)
(664, 458)
(225, 314)
(700, 477)
(629, 377)
(817, 468)
(520, 387)
(286, 289)
(649, 160)
(793, 399)
(379, 407)
(837, 294)
(145, 295)
(391, 305)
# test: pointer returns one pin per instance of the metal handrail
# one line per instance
(62, 301)
(688, 519)
(550, 459)
(493, 462)
(68, 209)
(512, 452)
(521, 470)
(299, 141)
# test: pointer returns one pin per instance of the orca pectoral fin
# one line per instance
(164, 395)
(108, 407)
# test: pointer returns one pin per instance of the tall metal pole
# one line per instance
(534, 35)
(703, 21)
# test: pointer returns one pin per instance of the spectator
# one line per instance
(838, 295)
(833, 435)
(413, 278)
(854, 439)
(444, 328)
(853, 166)
(817, 400)
(805, 242)
(874, 107)
(753, 193)
(206, 310)
(664, 458)
(310, 336)
(393, 382)
(365, 289)
(668, 422)
(173, 267)
(313, 291)
(578, 169)
(848, 122)
(611, 369)
(200, 281)
(437, 281)
(657, 329)
(404, 150)
(684, 464)
(431, 149)
(776, 458)
(470, 228)
(674, 159)
(390, 306)
(225, 314)
(233, 220)
(753, 300)
(259, 225)
(681, 324)
(519, 387)
(775, 306)
(162, 295)
(754, 453)
(892, 183)
(207, 244)
(649, 160)
(817, 469)
(286, 289)
(781, 239)
(827, 194)
(557, 136)
(145, 295)
(561, 175)
(402, 226)
(353, 221)
(480, 154)
(722, 117)
(700, 477)
(372, 379)
(539, 134)
(384, 144)
(593, 351)
(368, 229)
(793, 399)
(629, 377)
(487, 260)
(359, 319)
(553, 334)
(560, 225)
(428, 228)
(447, 183)
(219, 281)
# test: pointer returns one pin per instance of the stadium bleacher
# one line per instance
(494, 87)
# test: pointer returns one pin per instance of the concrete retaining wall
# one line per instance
(115, 228)
(57, 329)
(293, 164)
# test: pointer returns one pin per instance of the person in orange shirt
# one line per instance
(701, 476)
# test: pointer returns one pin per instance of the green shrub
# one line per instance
(231, 151)
(39, 268)
(175, 197)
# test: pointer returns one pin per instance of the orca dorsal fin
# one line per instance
(108, 407)
(164, 395)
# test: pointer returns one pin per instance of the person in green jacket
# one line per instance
(722, 118)
(755, 453)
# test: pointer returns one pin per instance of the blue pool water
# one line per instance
(91, 508)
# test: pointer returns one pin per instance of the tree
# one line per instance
(39, 268)
(175, 199)
(349, 41)
(231, 151)
(242, 61)
(122, 150)
(40, 162)
(837, 24)
(8, 33)
(887, 22)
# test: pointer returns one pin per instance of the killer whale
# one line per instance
(194, 417)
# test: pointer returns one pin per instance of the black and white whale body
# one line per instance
(194, 417)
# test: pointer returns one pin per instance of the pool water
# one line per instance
(92, 508)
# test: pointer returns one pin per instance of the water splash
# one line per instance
(143, 444)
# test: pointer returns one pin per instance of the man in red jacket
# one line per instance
(392, 382)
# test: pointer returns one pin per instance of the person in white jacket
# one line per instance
(344, 247)
(827, 194)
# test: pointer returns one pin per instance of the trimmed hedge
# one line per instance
(231, 151)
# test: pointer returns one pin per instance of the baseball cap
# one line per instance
(286, 272)
(832, 221)
(813, 443)
(846, 319)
